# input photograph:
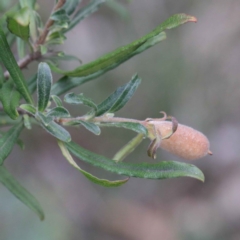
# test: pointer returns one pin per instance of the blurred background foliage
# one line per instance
(194, 76)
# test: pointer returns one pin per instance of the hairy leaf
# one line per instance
(8, 140)
(73, 98)
(58, 112)
(160, 170)
(57, 131)
(44, 84)
(11, 65)
(102, 182)
(28, 108)
(119, 98)
(20, 192)
(57, 100)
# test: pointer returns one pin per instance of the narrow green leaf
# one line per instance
(18, 23)
(20, 192)
(91, 127)
(10, 98)
(119, 98)
(136, 127)
(28, 108)
(58, 112)
(26, 121)
(84, 12)
(57, 131)
(11, 65)
(44, 119)
(44, 84)
(60, 15)
(70, 6)
(20, 143)
(162, 170)
(57, 100)
(73, 98)
(8, 140)
(114, 58)
(102, 182)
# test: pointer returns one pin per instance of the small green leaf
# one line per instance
(102, 182)
(73, 98)
(10, 98)
(119, 98)
(136, 127)
(91, 127)
(11, 65)
(27, 123)
(57, 131)
(20, 143)
(28, 108)
(70, 6)
(18, 23)
(162, 170)
(57, 100)
(20, 192)
(44, 84)
(84, 12)
(58, 112)
(44, 119)
(8, 140)
(60, 15)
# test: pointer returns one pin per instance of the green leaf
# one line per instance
(162, 170)
(102, 182)
(70, 6)
(10, 98)
(20, 143)
(136, 127)
(91, 127)
(27, 122)
(1, 76)
(73, 98)
(11, 65)
(18, 23)
(28, 108)
(57, 100)
(57, 131)
(120, 55)
(44, 84)
(58, 112)
(44, 119)
(119, 98)
(8, 140)
(20, 192)
(60, 15)
(84, 12)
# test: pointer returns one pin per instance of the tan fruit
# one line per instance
(186, 142)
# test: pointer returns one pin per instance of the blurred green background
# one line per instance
(194, 76)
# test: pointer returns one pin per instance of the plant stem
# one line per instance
(101, 119)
